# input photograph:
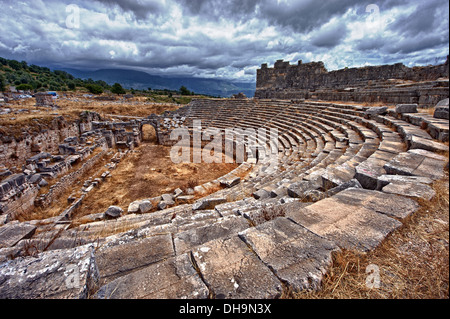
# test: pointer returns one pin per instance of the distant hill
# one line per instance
(142, 81)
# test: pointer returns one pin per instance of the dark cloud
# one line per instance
(330, 36)
(225, 38)
(425, 19)
(141, 9)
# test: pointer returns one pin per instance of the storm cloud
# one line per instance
(222, 38)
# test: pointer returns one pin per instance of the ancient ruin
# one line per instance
(346, 176)
(392, 84)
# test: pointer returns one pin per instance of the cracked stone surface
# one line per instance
(175, 278)
(354, 227)
(297, 256)
(232, 271)
(61, 274)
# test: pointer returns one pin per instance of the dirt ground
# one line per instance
(145, 173)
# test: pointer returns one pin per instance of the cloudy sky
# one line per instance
(222, 38)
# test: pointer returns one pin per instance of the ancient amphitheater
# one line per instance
(345, 177)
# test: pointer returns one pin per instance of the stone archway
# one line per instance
(149, 134)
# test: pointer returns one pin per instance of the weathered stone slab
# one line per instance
(185, 199)
(208, 203)
(125, 257)
(391, 147)
(193, 217)
(175, 278)
(350, 184)
(298, 190)
(232, 271)
(406, 108)
(390, 205)
(377, 110)
(428, 154)
(441, 111)
(60, 274)
(168, 198)
(368, 172)
(113, 212)
(224, 227)
(415, 142)
(231, 208)
(230, 182)
(349, 226)
(385, 180)
(334, 177)
(417, 164)
(298, 257)
(439, 130)
(261, 194)
(12, 233)
(416, 190)
(140, 206)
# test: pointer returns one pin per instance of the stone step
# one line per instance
(226, 226)
(174, 278)
(118, 257)
(298, 257)
(232, 271)
(417, 163)
(60, 274)
(13, 232)
(355, 219)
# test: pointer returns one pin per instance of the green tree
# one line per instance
(2, 83)
(94, 88)
(72, 86)
(16, 65)
(118, 89)
(184, 91)
(24, 87)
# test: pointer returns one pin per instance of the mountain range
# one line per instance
(142, 81)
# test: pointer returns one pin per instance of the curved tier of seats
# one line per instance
(338, 183)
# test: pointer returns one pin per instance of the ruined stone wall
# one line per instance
(66, 181)
(286, 81)
(21, 204)
(15, 151)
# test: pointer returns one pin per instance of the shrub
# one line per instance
(94, 88)
(24, 87)
(118, 89)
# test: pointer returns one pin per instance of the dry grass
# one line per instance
(413, 261)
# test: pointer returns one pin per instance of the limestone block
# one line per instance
(415, 190)
(208, 203)
(297, 256)
(59, 274)
(224, 227)
(175, 278)
(123, 257)
(406, 108)
(232, 271)
(353, 227)
(441, 111)
(12, 233)
(113, 212)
